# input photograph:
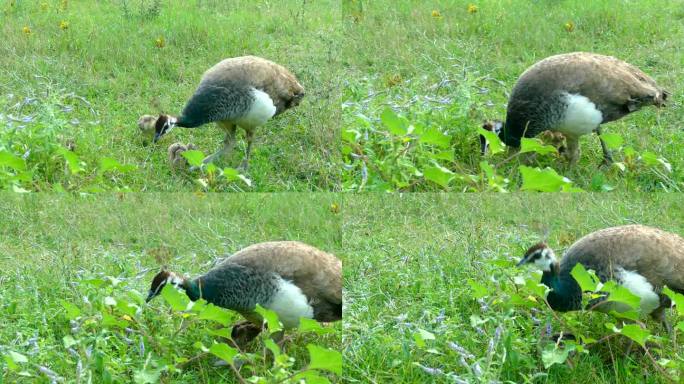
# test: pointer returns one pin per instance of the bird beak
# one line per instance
(150, 296)
(522, 262)
(157, 135)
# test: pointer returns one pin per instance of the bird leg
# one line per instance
(572, 154)
(249, 136)
(607, 156)
(228, 144)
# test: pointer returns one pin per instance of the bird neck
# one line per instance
(193, 288)
(565, 294)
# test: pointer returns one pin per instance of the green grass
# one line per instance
(452, 72)
(108, 57)
(411, 260)
(52, 245)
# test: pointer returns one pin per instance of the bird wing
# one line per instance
(317, 273)
(216, 102)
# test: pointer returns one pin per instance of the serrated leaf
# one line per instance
(223, 351)
(620, 294)
(395, 124)
(587, 281)
(324, 359)
(215, 313)
(221, 332)
(535, 145)
(194, 157)
(72, 311)
(177, 300)
(438, 175)
(147, 376)
(69, 341)
(495, 144)
(479, 290)
(434, 136)
(270, 317)
(612, 140)
(547, 180)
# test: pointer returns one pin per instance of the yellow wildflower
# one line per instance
(64, 25)
(26, 30)
(334, 208)
(159, 42)
(569, 26)
(436, 13)
(472, 8)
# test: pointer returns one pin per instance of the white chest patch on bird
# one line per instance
(638, 285)
(290, 304)
(581, 116)
(260, 111)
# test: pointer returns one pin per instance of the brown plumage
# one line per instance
(289, 277)
(317, 273)
(174, 153)
(574, 93)
(242, 91)
(643, 259)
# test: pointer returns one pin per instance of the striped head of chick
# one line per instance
(160, 280)
(541, 255)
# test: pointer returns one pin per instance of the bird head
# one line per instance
(495, 126)
(541, 255)
(162, 126)
(160, 280)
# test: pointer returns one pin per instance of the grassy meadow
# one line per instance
(432, 293)
(425, 75)
(77, 75)
(70, 263)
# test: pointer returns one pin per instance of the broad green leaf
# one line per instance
(272, 346)
(652, 159)
(223, 351)
(587, 281)
(194, 157)
(636, 333)
(109, 301)
(547, 180)
(612, 140)
(438, 175)
(479, 290)
(111, 321)
(72, 160)
(555, 355)
(97, 283)
(434, 136)
(325, 359)
(676, 298)
(421, 336)
(680, 326)
(270, 317)
(535, 145)
(495, 144)
(310, 377)
(108, 164)
(396, 125)
(68, 341)
(13, 359)
(72, 311)
(221, 332)
(177, 300)
(147, 376)
(231, 174)
(14, 162)
(444, 155)
(310, 325)
(215, 313)
(620, 294)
